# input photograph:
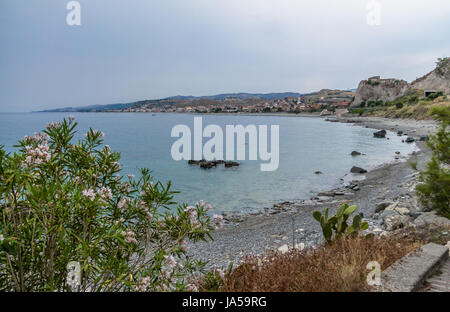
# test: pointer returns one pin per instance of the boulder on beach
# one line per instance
(380, 134)
(357, 170)
(382, 206)
(326, 194)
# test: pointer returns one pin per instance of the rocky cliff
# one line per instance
(377, 89)
(438, 79)
(386, 90)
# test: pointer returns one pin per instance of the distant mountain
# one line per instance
(90, 108)
(218, 97)
(240, 96)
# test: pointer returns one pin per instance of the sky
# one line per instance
(131, 50)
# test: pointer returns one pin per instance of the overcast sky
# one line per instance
(140, 49)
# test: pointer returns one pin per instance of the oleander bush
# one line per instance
(65, 207)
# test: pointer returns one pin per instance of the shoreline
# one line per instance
(292, 222)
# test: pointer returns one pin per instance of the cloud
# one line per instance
(136, 49)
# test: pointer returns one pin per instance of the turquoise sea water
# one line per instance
(307, 144)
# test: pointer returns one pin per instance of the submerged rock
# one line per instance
(380, 134)
(204, 164)
(229, 164)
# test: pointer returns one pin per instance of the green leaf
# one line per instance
(327, 232)
(349, 230)
(348, 211)
(341, 209)
(317, 215)
(364, 226)
(357, 222)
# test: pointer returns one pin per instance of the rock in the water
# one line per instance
(357, 170)
(409, 140)
(229, 164)
(204, 164)
(318, 172)
(380, 134)
(399, 132)
(355, 153)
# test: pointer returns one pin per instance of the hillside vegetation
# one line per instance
(412, 105)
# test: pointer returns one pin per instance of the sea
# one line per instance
(306, 145)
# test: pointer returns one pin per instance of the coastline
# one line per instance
(292, 222)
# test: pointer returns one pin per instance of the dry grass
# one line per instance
(418, 111)
(336, 267)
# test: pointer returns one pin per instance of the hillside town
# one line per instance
(323, 101)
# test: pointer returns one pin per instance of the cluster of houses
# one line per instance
(230, 105)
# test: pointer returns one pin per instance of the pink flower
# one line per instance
(123, 202)
(105, 193)
(218, 221)
(89, 193)
(191, 288)
(53, 125)
(221, 273)
(130, 236)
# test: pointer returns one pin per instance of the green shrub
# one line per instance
(337, 226)
(62, 202)
(399, 105)
(413, 100)
(434, 191)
